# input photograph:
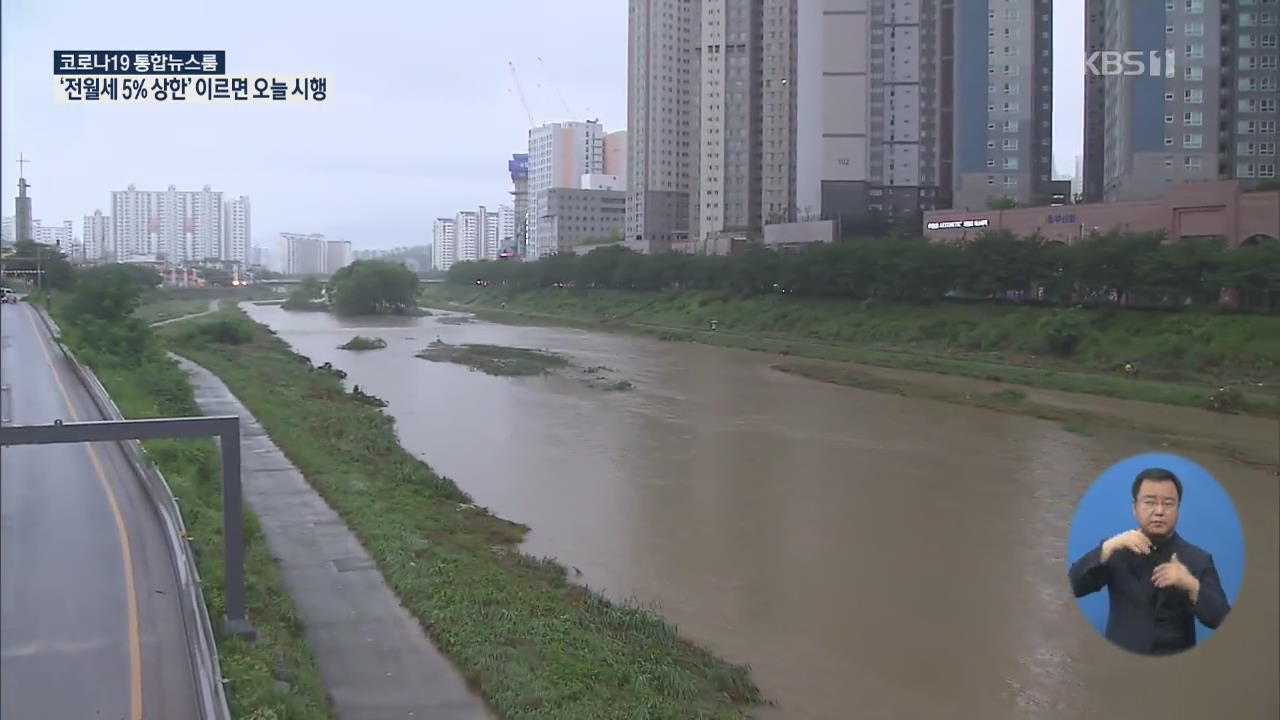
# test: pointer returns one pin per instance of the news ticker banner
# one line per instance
(185, 76)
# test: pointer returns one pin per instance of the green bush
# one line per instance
(1062, 331)
(224, 330)
(1227, 400)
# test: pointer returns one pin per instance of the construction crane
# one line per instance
(556, 87)
(520, 92)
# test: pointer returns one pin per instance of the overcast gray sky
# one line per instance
(420, 120)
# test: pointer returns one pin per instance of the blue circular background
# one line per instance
(1207, 518)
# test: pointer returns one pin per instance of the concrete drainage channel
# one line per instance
(195, 614)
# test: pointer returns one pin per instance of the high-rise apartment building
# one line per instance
(1251, 62)
(1002, 110)
(779, 66)
(663, 103)
(98, 244)
(57, 235)
(337, 255)
(7, 231)
(235, 228)
(312, 254)
(518, 166)
(728, 171)
(919, 105)
(301, 254)
(173, 225)
(1210, 114)
(712, 119)
(443, 246)
(506, 227)
(559, 155)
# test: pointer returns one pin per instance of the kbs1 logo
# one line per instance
(1154, 63)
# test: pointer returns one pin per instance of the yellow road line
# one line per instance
(131, 594)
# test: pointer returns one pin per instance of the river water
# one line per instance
(870, 556)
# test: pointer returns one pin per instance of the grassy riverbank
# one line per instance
(169, 303)
(534, 644)
(156, 387)
(1183, 358)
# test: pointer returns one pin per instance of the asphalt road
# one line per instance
(90, 621)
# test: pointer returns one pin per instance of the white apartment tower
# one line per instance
(559, 155)
(506, 226)
(98, 244)
(444, 249)
(60, 236)
(235, 227)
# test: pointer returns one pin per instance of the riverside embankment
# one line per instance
(869, 554)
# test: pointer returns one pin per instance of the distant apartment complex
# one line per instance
(1214, 117)
(472, 235)
(311, 254)
(179, 226)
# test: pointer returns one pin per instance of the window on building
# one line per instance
(1168, 97)
(1192, 141)
(1191, 162)
(1194, 6)
(1193, 96)
(1195, 51)
(1194, 118)
(1011, 163)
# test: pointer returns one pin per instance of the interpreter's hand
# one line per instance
(1132, 540)
(1175, 574)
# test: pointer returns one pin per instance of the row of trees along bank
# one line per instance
(365, 287)
(1134, 269)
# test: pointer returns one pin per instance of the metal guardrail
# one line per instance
(195, 614)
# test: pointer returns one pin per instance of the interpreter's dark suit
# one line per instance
(1143, 618)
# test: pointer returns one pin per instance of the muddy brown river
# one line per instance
(870, 556)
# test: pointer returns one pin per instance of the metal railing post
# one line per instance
(233, 533)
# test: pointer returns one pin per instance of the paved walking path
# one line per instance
(373, 656)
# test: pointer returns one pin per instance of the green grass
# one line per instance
(534, 644)
(158, 388)
(166, 309)
(495, 359)
(1183, 357)
(169, 303)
